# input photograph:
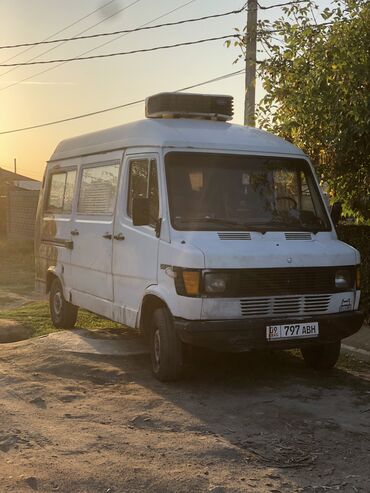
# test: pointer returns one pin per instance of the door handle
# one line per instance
(119, 237)
(75, 232)
(107, 236)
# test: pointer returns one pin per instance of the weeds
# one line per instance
(36, 315)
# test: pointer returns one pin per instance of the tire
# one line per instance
(323, 356)
(63, 314)
(166, 350)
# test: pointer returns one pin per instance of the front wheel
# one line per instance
(321, 356)
(63, 314)
(165, 347)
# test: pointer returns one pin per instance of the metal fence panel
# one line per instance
(22, 207)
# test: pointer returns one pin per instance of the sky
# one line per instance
(78, 87)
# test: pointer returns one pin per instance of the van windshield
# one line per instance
(213, 192)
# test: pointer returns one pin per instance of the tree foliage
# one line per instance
(316, 82)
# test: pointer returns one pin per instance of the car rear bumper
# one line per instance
(249, 334)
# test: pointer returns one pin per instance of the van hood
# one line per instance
(270, 250)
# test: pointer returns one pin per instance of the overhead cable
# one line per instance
(127, 31)
(268, 7)
(304, 26)
(61, 30)
(126, 105)
(81, 32)
(48, 69)
(121, 53)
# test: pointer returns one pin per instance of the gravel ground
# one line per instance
(79, 422)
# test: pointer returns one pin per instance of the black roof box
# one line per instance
(187, 105)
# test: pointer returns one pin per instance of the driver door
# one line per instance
(135, 248)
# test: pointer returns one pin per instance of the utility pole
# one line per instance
(250, 40)
(15, 165)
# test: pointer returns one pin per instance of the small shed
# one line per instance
(18, 204)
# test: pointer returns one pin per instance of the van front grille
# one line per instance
(285, 306)
(287, 281)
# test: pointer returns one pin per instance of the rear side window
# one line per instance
(98, 189)
(61, 187)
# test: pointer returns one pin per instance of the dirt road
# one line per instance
(74, 422)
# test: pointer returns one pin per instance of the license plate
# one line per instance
(292, 331)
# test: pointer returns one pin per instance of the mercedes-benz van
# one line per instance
(196, 231)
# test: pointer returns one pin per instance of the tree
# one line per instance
(316, 82)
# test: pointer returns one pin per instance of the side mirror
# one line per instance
(336, 213)
(140, 211)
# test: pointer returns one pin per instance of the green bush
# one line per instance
(359, 238)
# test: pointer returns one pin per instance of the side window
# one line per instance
(60, 197)
(68, 191)
(98, 189)
(138, 181)
(143, 182)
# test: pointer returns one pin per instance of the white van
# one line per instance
(195, 231)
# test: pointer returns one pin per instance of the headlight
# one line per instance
(343, 279)
(216, 282)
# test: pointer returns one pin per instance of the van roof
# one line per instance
(183, 133)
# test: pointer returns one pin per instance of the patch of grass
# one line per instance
(36, 315)
(346, 362)
(349, 362)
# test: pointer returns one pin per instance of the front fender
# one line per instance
(179, 306)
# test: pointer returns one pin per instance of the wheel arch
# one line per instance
(52, 274)
(149, 304)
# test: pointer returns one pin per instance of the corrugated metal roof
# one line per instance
(7, 175)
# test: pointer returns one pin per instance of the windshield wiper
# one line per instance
(274, 225)
(281, 226)
(215, 220)
(297, 224)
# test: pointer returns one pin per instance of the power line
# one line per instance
(304, 26)
(294, 2)
(120, 53)
(216, 79)
(123, 35)
(81, 32)
(132, 103)
(61, 30)
(93, 49)
(128, 31)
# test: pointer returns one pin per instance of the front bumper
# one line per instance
(249, 334)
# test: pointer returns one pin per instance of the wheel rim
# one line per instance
(57, 303)
(156, 350)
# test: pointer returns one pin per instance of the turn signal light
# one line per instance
(191, 282)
